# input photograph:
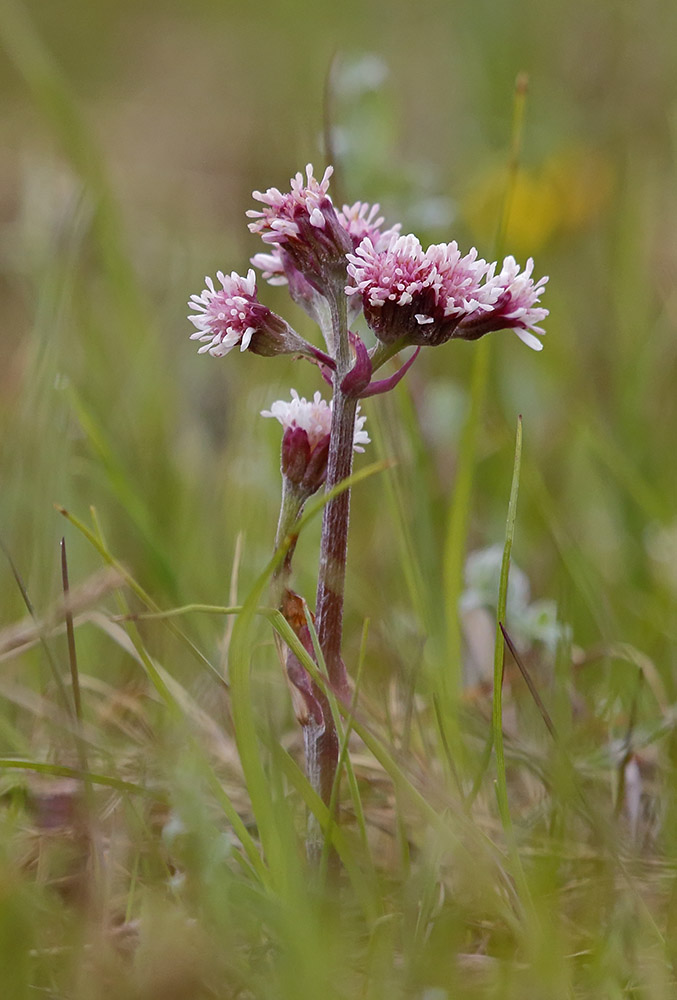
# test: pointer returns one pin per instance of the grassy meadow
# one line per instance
(152, 797)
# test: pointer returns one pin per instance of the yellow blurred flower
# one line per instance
(568, 192)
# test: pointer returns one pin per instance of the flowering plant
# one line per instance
(337, 264)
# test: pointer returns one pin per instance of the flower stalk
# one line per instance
(321, 744)
(336, 515)
(334, 541)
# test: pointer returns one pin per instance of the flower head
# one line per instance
(359, 220)
(285, 215)
(428, 297)
(305, 442)
(232, 315)
(460, 291)
(396, 285)
(303, 222)
(313, 417)
(511, 304)
(362, 220)
(388, 278)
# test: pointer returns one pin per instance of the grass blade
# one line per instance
(499, 662)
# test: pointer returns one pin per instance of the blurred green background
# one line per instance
(132, 133)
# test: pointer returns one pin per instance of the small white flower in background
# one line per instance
(482, 578)
(527, 621)
(660, 541)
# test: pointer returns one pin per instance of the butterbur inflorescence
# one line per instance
(409, 296)
(313, 417)
(336, 264)
(308, 240)
(359, 220)
(232, 316)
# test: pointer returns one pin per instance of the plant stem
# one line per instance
(321, 746)
(383, 352)
(334, 543)
(321, 742)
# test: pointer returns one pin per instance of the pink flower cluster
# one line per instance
(360, 220)
(514, 307)
(303, 228)
(427, 297)
(408, 294)
(283, 217)
(233, 316)
(314, 418)
(309, 239)
(229, 316)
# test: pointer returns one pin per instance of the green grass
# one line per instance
(520, 846)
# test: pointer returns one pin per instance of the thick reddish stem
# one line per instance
(334, 544)
(321, 742)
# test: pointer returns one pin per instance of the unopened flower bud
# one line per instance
(295, 454)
